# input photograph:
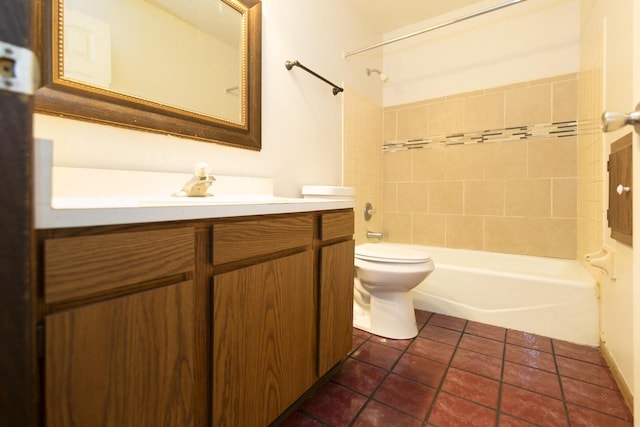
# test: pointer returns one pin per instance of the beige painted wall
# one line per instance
(515, 196)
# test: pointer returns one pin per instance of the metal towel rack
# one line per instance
(290, 64)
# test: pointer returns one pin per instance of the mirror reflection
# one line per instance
(186, 55)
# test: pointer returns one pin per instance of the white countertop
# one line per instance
(93, 212)
(80, 197)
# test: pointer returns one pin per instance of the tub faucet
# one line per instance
(199, 183)
(374, 235)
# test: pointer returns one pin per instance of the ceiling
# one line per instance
(389, 15)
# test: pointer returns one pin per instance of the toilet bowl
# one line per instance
(385, 274)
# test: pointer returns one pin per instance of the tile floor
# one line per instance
(458, 372)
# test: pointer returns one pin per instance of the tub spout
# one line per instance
(374, 235)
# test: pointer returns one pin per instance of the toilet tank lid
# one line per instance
(385, 252)
(328, 190)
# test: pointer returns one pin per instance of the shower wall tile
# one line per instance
(464, 232)
(528, 105)
(552, 158)
(397, 167)
(412, 121)
(390, 123)
(412, 196)
(565, 197)
(505, 160)
(504, 234)
(528, 198)
(554, 237)
(363, 160)
(397, 227)
(565, 101)
(429, 165)
(465, 161)
(484, 112)
(445, 117)
(390, 196)
(429, 230)
(484, 197)
(491, 187)
(446, 197)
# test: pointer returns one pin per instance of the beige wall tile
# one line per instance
(464, 232)
(565, 101)
(412, 197)
(506, 87)
(390, 120)
(556, 157)
(363, 165)
(397, 227)
(504, 234)
(445, 197)
(429, 229)
(465, 161)
(528, 197)
(390, 197)
(429, 164)
(565, 199)
(484, 197)
(446, 118)
(507, 160)
(412, 122)
(552, 237)
(484, 112)
(396, 166)
(527, 106)
(555, 79)
(509, 192)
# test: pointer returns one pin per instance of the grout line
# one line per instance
(501, 382)
(389, 372)
(438, 389)
(564, 398)
(446, 371)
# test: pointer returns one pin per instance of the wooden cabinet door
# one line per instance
(336, 304)
(263, 340)
(620, 212)
(127, 361)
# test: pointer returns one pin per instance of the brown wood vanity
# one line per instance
(221, 322)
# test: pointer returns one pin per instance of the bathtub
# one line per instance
(552, 297)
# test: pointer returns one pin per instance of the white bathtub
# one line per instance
(546, 296)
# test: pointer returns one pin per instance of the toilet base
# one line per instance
(388, 314)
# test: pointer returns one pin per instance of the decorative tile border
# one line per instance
(552, 130)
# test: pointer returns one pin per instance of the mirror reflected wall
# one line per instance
(185, 68)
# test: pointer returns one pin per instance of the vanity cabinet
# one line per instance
(219, 322)
(119, 328)
(336, 289)
(282, 323)
(263, 318)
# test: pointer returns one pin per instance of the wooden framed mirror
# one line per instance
(190, 69)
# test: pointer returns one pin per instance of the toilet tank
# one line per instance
(328, 192)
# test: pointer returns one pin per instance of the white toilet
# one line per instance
(385, 275)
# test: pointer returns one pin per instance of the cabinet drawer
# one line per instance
(237, 241)
(336, 224)
(76, 267)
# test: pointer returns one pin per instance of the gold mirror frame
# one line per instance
(65, 98)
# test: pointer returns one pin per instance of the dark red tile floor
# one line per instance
(458, 372)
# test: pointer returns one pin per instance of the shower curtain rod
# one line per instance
(435, 27)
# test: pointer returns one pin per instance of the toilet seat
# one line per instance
(388, 253)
